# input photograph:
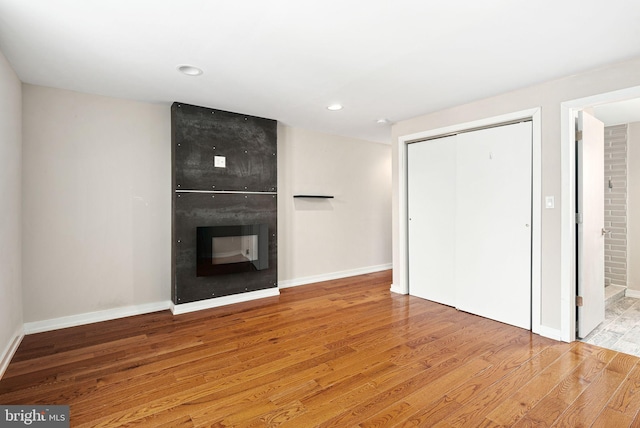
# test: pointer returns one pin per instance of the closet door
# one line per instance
(432, 227)
(493, 223)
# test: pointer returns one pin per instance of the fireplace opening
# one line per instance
(224, 250)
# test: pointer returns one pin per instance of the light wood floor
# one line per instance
(341, 353)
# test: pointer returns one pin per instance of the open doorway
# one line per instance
(620, 329)
(569, 260)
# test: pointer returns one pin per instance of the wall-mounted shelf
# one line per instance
(313, 196)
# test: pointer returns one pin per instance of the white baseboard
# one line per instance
(632, 293)
(334, 275)
(223, 301)
(91, 317)
(10, 350)
(551, 333)
(396, 290)
(110, 314)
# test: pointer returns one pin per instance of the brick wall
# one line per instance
(615, 204)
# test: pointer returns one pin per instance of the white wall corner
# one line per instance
(93, 317)
(223, 301)
(10, 350)
(333, 275)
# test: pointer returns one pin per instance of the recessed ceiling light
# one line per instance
(335, 107)
(383, 121)
(189, 70)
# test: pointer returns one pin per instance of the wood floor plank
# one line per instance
(626, 400)
(446, 361)
(611, 418)
(475, 409)
(530, 394)
(554, 404)
(342, 353)
(591, 402)
(431, 399)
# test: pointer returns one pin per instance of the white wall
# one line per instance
(548, 96)
(11, 211)
(324, 238)
(633, 206)
(96, 203)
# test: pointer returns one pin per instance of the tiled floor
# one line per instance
(620, 330)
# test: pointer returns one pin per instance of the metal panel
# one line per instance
(248, 144)
(192, 210)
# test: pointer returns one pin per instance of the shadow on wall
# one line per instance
(313, 204)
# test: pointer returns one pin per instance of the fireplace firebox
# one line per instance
(232, 249)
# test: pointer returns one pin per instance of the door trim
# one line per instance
(536, 203)
(568, 113)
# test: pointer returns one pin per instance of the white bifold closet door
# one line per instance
(470, 222)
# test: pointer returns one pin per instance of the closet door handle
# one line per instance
(605, 231)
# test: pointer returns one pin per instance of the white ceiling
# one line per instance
(289, 59)
(618, 113)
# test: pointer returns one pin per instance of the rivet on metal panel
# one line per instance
(178, 144)
(246, 151)
(213, 187)
(178, 185)
(179, 241)
(245, 118)
(214, 147)
(213, 196)
(179, 195)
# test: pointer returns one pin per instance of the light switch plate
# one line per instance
(549, 202)
(220, 161)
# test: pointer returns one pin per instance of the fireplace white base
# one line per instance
(223, 301)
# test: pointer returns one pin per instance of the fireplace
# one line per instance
(232, 249)
(224, 214)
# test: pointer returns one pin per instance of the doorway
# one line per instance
(620, 329)
(613, 195)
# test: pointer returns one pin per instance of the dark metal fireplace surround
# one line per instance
(224, 210)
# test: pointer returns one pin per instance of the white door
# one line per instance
(590, 231)
(493, 221)
(470, 222)
(431, 195)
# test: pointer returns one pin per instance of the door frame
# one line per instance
(532, 114)
(568, 240)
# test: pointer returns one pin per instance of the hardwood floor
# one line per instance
(340, 353)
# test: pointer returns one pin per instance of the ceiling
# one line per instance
(618, 113)
(289, 59)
